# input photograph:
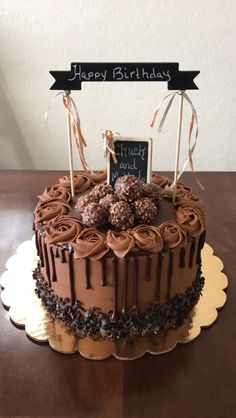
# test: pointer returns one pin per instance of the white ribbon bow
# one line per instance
(194, 119)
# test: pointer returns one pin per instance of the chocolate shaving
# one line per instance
(93, 322)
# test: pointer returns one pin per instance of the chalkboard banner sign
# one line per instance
(90, 72)
(134, 156)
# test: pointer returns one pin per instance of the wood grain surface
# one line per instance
(194, 380)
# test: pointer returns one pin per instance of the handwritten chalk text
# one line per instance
(119, 73)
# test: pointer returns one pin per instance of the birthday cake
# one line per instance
(119, 261)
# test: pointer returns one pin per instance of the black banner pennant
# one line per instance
(102, 72)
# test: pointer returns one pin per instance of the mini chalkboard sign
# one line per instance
(134, 156)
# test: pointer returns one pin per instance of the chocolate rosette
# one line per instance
(49, 209)
(148, 238)
(181, 190)
(62, 229)
(90, 243)
(121, 243)
(97, 177)
(172, 234)
(184, 196)
(81, 181)
(161, 181)
(188, 198)
(191, 219)
(56, 192)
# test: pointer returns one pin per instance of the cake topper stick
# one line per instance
(73, 130)
(180, 120)
(70, 149)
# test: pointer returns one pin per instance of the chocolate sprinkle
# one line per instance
(93, 322)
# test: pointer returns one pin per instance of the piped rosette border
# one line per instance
(54, 217)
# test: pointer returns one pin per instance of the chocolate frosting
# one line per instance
(173, 235)
(98, 176)
(189, 199)
(191, 219)
(184, 196)
(49, 209)
(96, 323)
(62, 229)
(81, 181)
(148, 238)
(181, 190)
(90, 243)
(120, 242)
(161, 181)
(56, 192)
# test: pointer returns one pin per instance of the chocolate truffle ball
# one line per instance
(121, 216)
(84, 200)
(128, 188)
(93, 215)
(101, 190)
(153, 191)
(108, 201)
(144, 210)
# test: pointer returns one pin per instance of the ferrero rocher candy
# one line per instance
(94, 214)
(128, 188)
(108, 201)
(144, 210)
(101, 190)
(153, 191)
(121, 216)
(83, 201)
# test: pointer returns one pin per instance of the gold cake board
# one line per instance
(26, 310)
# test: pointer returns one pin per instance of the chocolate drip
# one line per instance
(72, 277)
(57, 252)
(87, 273)
(191, 254)
(40, 250)
(47, 263)
(36, 242)
(148, 266)
(115, 264)
(63, 257)
(135, 281)
(53, 273)
(159, 271)
(124, 304)
(104, 273)
(182, 258)
(200, 246)
(169, 273)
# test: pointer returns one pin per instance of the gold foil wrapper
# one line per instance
(26, 310)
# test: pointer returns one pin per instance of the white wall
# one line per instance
(37, 36)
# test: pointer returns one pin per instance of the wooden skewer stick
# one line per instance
(178, 145)
(70, 149)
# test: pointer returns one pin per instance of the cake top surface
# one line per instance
(131, 217)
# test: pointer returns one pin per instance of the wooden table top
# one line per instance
(194, 380)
